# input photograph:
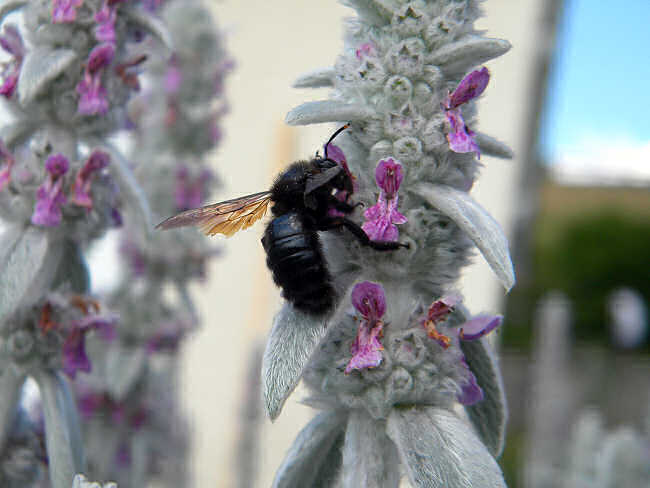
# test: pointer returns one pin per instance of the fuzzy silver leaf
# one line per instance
(311, 454)
(375, 12)
(16, 131)
(320, 78)
(41, 66)
(133, 193)
(150, 23)
(439, 450)
(460, 56)
(126, 365)
(370, 458)
(64, 448)
(479, 225)
(8, 6)
(492, 147)
(72, 271)
(292, 340)
(27, 265)
(490, 415)
(11, 383)
(327, 111)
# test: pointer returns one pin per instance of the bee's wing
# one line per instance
(225, 218)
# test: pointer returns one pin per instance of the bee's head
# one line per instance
(342, 179)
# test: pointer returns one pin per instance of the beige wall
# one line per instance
(273, 43)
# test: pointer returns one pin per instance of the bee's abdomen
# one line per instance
(295, 257)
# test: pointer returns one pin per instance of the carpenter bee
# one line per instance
(302, 198)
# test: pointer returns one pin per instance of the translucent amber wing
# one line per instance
(225, 218)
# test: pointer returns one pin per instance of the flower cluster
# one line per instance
(52, 334)
(416, 358)
(78, 194)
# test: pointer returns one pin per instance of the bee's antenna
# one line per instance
(334, 135)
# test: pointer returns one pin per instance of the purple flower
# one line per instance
(134, 256)
(437, 313)
(49, 196)
(11, 42)
(365, 50)
(190, 192)
(5, 169)
(173, 77)
(168, 337)
(105, 18)
(368, 298)
(336, 154)
(92, 95)
(471, 330)
(74, 351)
(97, 161)
(478, 326)
(382, 217)
(470, 392)
(100, 57)
(460, 137)
(65, 10)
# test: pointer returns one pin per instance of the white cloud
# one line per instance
(603, 160)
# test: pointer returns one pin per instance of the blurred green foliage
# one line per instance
(586, 255)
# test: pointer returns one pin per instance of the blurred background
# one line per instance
(570, 99)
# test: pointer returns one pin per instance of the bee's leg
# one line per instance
(360, 234)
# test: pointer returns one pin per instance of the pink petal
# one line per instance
(389, 176)
(469, 88)
(366, 348)
(471, 392)
(368, 298)
(460, 137)
(477, 327)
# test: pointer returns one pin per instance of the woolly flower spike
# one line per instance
(65, 10)
(382, 217)
(368, 298)
(8, 164)
(50, 197)
(11, 42)
(460, 137)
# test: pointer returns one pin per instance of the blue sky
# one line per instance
(599, 90)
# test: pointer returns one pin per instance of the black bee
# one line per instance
(302, 198)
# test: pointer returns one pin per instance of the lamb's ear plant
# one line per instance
(134, 428)
(392, 366)
(73, 67)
